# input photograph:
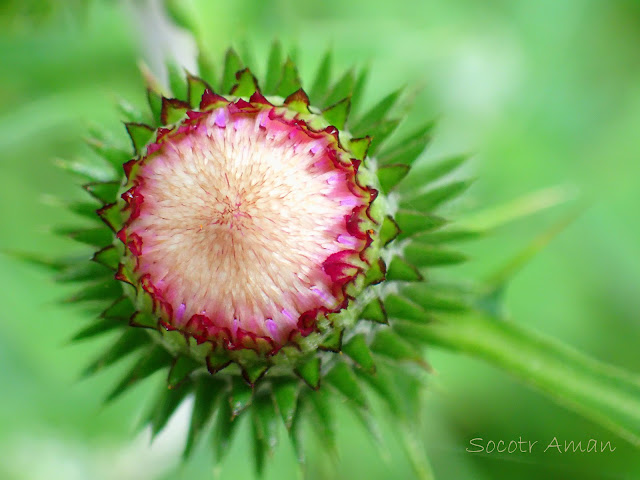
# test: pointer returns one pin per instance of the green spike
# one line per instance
(140, 135)
(181, 368)
(247, 84)
(246, 54)
(409, 148)
(389, 230)
(121, 309)
(109, 256)
(342, 378)
(195, 88)
(323, 77)
(131, 340)
(380, 133)
(322, 412)
(106, 192)
(265, 429)
(401, 270)
(310, 372)
(206, 68)
(296, 436)
(449, 236)
(430, 301)
(241, 396)
(154, 359)
(358, 89)
(289, 80)
(111, 215)
(412, 223)
(165, 405)
(216, 362)
(398, 306)
(391, 175)
(376, 114)
(94, 171)
(431, 199)
(383, 384)
(285, 394)
(173, 110)
(358, 350)
(206, 393)
(130, 113)
(375, 312)
(84, 271)
(155, 104)
(105, 290)
(97, 237)
(177, 82)
(83, 209)
(333, 342)
(389, 344)
(259, 445)
(232, 64)
(359, 147)
(144, 320)
(111, 154)
(338, 113)
(431, 172)
(273, 69)
(98, 327)
(225, 426)
(341, 89)
(298, 101)
(376, 273)
(422, 255)
(253, 372)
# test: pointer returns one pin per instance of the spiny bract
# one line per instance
(265, 250)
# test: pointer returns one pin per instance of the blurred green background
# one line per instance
(544, 92)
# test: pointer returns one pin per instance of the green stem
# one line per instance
(607, 395)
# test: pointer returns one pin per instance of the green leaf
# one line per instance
(333, 341)
(94, 171)
(154, 359)
(241, 396)
(341, 89)
(121, 309)
(155, 104)
(206, 69)
(273, 68)
(323, 77)
(342, 378)
(603, 393)
(106, 192)
(114, 155)
(173, 110)
(358, 350)
(422, 295)
(391, 175)
(285, 394)
(131, 340)
(98, 327)
(253, 372)
(207, 391)
(422, 255)
(338, 113)
(165, 405)
(289, 80)
(310, 372)
(232, 65)
(375, 312)
(412, 223)
(130, 113)
(359, 147)
(435, 197)
(358, 89)
(401, 270)
(140, 134)
(265, 429)
(409, 148)
(83, 272)
(323, 420)
(376, 273)
(448, 236)
(376, 114)
(430, 172)
(111, 215)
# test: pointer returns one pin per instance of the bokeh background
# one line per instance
(545, 93)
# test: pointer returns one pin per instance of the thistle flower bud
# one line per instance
(265, 251)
